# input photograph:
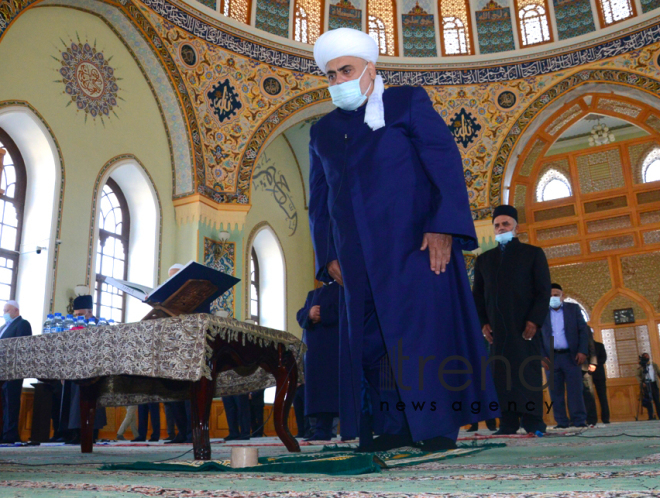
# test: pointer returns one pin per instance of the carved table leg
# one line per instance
(286, 376)
(202, 398)
(88, 397)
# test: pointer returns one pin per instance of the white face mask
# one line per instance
(504, 238)
(348, 95)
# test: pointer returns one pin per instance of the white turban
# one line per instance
(13, 303)
(176, 266)
(345, 42)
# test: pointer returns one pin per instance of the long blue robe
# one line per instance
(373, 195)
(322, 357)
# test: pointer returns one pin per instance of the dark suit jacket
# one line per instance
(602, 358)
(18, 328)
(577, 332)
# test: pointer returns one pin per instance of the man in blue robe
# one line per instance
(389, 217)
(319, 319)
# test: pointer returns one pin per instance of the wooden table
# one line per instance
(191, 356)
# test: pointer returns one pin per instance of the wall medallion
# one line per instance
(271, 86)
(224, 100)
(89, 80)
(464, 127)
(506, 99)
(188, 54)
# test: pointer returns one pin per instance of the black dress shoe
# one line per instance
(318, 437)
(154, 439)
(439, 443)
(139, 440)
(387, 442)
(74, 440)
(231, 438)
(473, 428)
(179, 438)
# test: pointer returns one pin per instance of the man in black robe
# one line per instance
(512, 293)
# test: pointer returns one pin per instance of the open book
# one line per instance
(208, 285)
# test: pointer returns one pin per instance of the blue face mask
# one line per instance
(7, 317)
(348, 95)
(504, 238)
(555, 302)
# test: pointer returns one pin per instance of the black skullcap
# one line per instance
(83, 303)
(556, 286)
(506, 210)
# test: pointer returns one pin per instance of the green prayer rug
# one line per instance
(330, 461)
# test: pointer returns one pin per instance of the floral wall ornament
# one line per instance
(88, 79)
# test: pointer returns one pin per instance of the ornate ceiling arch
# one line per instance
(535, 112)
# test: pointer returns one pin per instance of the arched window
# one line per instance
(236, 9)
(455, 27)
(254, 286)
(111, 252)
(614, 11)
(585, 313)
(12, 203)
(553, 185)
(533, 22)
(380, 26)
(651, 166)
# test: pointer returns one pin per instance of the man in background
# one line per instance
(15, 326)
(512, 292)
(82, 306)
(648, 374)
(599, 379)
(319, 319)
(566, 341)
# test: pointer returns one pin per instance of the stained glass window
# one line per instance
(236, 9)
(111, 253)
(533, 22)
(553, 185)
(613, 11)
(455, 27)
(651, 166)
(254, 287)
(380, 26)
(12, 200)
(307, 20)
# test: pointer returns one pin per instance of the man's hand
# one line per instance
(592, 368)
(439, 245)
(530, 331)
(580, 358)
(488, 333)
(335, 272)
(546, 363)
(315, 314)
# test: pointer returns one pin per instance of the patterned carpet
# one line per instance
(619, 460)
